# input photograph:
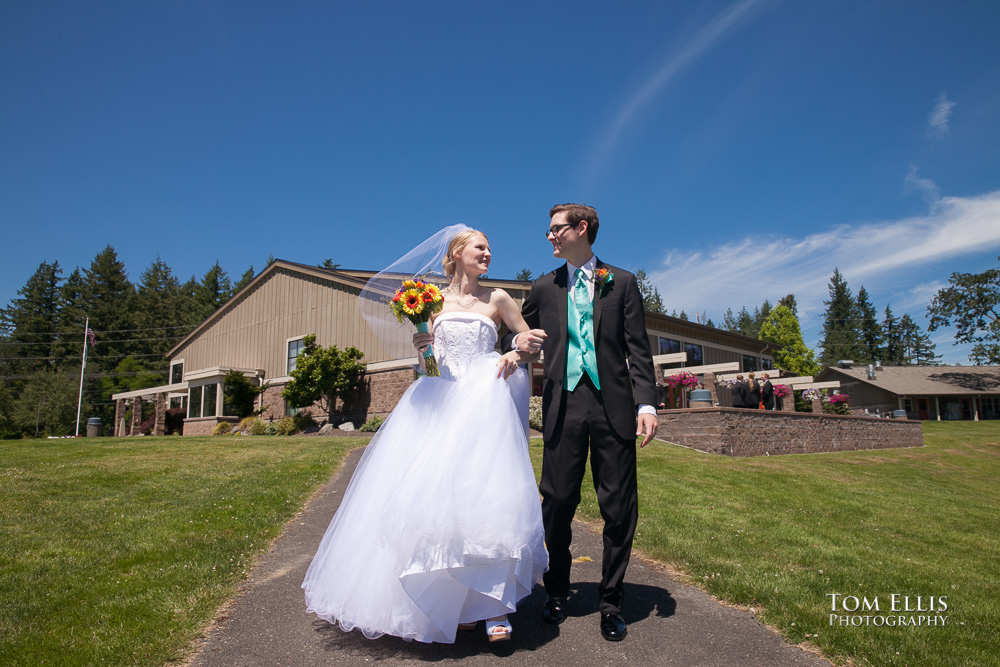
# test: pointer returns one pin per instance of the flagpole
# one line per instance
(83, 365)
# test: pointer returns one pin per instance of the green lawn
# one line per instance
(781, 533)
(120, 551)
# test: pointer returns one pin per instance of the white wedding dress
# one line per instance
(441, 523)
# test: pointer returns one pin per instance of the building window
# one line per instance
(694, 354)
(194, 402)
(669, 345)
(991, 407)
(767, 364)
(295, 347)
(177, 372)
(907, 405)
(178, 401)
(290, 411)
(749, 364)
(209, 396)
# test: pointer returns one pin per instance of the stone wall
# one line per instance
(736, 432)
(205, 425)
(379, 394)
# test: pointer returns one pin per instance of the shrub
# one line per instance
(302, 420)
(535, 412)
(253, 426)
(271, 429)
(222, 428)
(286, 426)
(372, 424)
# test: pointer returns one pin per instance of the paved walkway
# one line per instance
(670, 623)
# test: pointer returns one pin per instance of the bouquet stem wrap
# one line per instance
(429, 361)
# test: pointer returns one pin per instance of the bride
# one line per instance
(441, 523)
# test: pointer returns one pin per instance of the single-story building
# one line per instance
(260, 331)
(925, 392)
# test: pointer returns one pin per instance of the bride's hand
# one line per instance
(507, 364)
(422, 341)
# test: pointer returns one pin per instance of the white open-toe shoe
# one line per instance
(498, 629)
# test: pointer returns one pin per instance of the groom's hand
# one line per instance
(646, 425)
(530, 341)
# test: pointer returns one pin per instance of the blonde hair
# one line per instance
(457, 243)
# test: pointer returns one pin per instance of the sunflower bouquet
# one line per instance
(416, 301)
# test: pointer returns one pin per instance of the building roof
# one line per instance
(925, 380)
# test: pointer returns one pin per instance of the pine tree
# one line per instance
(213, 291)
(840, 339)
(72, 317)
(892, 350)
(32, 318)
(745, 323)
(109, 300)
(245, 279)
(868, 327)
(782, 327)
(524, 275)
(918, 349)
(789, 302)
(729, 321)
(651, 299)
(160, 310)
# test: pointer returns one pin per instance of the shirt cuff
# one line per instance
(513, 342)
(647, 409)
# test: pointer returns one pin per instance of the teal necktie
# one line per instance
(581, 356)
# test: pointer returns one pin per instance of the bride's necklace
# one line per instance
(450, 289)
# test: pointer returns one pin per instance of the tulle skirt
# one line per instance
(441, 523)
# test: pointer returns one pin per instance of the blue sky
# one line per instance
(737, 151)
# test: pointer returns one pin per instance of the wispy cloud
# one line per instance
(880, 255)
(937, 120)
(675, 63)
(927, 188)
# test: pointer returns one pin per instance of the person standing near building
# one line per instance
(598, 394)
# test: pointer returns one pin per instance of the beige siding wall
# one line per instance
(253, 332)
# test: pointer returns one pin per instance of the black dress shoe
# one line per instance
(613, 626)
(554, 611)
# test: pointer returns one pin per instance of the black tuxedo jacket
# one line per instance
(767, 395)
(739, 395)
(624, 360)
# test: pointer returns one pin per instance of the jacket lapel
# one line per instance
(598, 304)
(561, 284)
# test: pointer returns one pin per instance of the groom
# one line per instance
(598, 375)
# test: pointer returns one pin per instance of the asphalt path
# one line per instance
(669, 623)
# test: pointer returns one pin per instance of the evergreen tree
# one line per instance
(213, 291)
(782, 327)
(683, 316)
(745, 323)
(72, 317)
(870, 332)
(729, 321)
(840, 339)
(789, 302)
(892, 351)
(918, 349)
(327, 264)
(160, 310)
(245, 279)
(651, 299)
(109, 300)
(524, 275)
(32, 318)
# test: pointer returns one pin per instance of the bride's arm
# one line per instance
(511, 315)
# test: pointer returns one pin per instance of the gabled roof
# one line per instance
(925, 380)
(349, 277)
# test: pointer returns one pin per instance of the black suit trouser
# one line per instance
(585, 428)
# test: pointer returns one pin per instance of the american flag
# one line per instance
(91, 337)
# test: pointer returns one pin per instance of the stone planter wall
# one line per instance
(738, 432)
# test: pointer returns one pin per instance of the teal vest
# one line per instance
(581, 355)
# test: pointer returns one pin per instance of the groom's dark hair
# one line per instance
(576, 213)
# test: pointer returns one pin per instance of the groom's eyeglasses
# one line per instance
(555, 229)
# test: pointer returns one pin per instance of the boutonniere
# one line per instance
(603, 278)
